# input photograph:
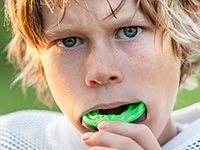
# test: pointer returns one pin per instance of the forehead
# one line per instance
(76, 11)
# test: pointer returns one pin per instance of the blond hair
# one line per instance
(179, 18)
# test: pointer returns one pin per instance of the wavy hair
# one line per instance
(179, 18)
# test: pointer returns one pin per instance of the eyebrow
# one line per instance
(137, 17)
(60, 30)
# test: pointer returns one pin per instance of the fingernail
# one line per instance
(103, 125)
(87, 136)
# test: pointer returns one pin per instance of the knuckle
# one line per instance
(94, 148)
(115, 125)
(141, 130)
(144, 128)
(99, 134)
(128, 141)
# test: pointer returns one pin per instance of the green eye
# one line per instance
(128, 32)
(70, 42)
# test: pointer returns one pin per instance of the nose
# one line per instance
(99, 76)
(102, 68)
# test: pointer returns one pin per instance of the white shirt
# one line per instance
(48, 130)
(38, 130)
(189, 120)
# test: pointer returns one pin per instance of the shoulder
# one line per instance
(188, 114)
(26, 129)
(189, 138)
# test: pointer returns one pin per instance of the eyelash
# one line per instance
(124, 33)
(61, 43)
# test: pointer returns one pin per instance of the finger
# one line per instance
(140, 133)
(110, 140)
(102, 148)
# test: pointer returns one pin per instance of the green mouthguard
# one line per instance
(133, 112)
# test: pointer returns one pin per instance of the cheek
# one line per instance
(162, 87)
(161, 91)
(156, 72)
(63, 82)
(57, 82)
(163, 69)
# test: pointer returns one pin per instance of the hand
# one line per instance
(121, 136)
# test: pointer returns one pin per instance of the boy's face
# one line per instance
(94, 62)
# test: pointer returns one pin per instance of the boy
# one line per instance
(104, 55)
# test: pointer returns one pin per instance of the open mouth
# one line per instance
(131, 113)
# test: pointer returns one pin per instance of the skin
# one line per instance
(105, 69)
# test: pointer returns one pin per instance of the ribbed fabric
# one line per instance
(26, 130)
(48, 130)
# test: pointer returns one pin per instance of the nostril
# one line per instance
(92, 82)
(102, 78)
(113, 78)
(100, 82)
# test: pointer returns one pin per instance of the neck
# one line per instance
(168, 133)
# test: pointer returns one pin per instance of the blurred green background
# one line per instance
(12, 99)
